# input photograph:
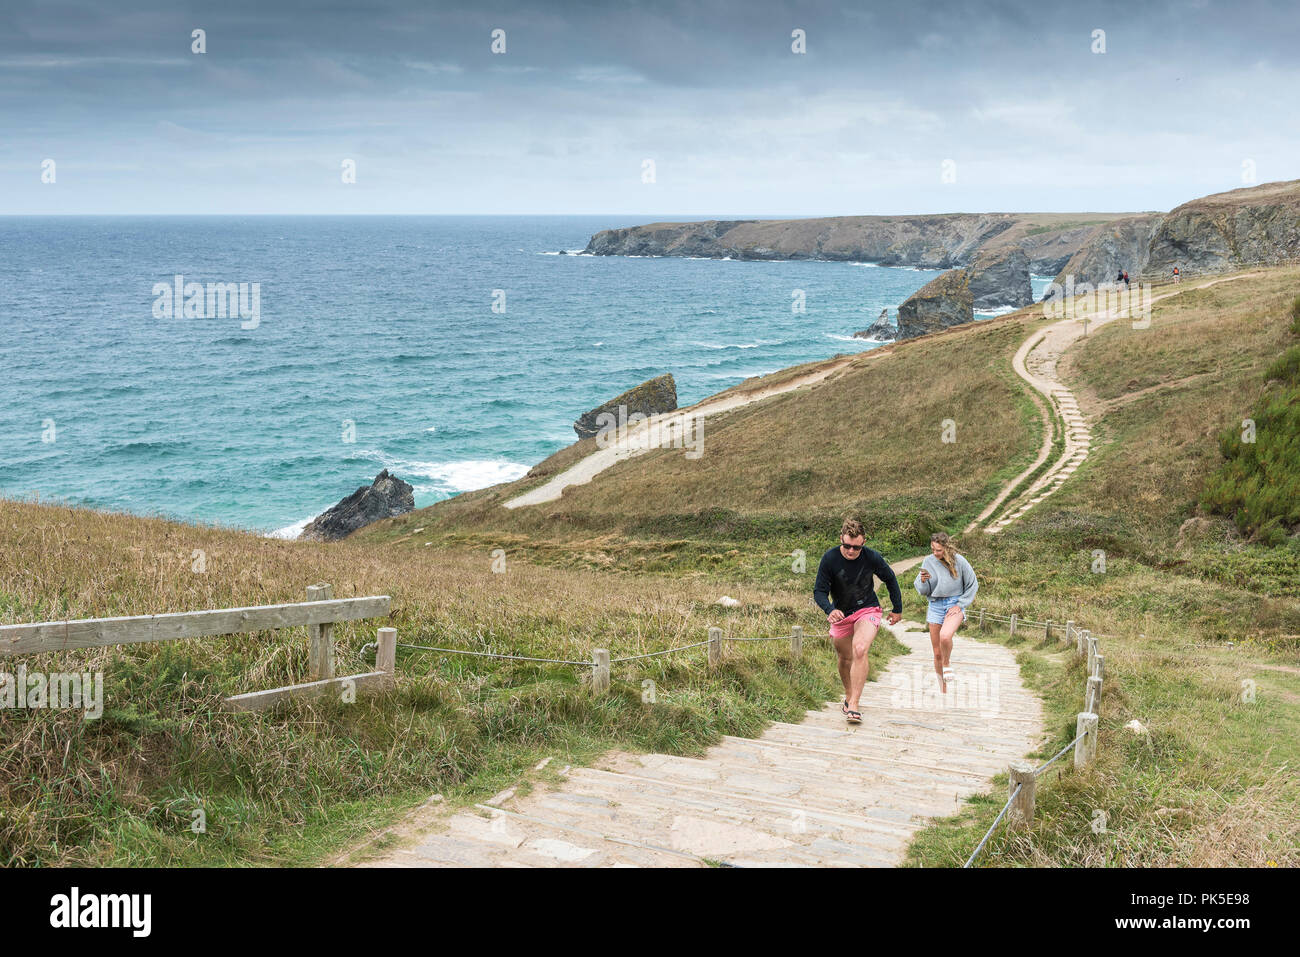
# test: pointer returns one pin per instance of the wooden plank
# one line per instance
(262, 700)
(320, 638)
(98, 632)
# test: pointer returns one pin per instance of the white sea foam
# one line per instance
(290, 531)
(463, 475)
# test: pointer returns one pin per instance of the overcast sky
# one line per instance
(563, 121)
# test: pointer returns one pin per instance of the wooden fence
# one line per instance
(318, 615)
(1022, 777)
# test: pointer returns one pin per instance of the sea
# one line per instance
(454, 351)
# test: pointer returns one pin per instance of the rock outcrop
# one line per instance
(1226, 230)
(1212, 234)
(1121, 245)
(943, 302)
(1000, 277)
(649, 398)
(386, 497)
(882, 330)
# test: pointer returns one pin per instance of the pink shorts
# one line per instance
(844, 627)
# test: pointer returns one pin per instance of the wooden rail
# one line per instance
(318, 615)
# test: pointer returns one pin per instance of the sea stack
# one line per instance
(649, 398)
(385, 497)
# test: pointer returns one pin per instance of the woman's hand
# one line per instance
(925, 576)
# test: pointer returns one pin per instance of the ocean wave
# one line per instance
(735, 345)
(456, 475)
(290, 532)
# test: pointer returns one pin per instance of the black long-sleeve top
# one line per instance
(848, 582)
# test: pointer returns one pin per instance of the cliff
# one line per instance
(944, 301)
(1013, 245)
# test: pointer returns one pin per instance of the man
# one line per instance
(845, 574)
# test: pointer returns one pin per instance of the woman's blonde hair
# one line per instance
(949, 550)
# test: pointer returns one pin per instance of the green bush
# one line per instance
(1259, 484)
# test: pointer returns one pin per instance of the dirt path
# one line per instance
(1036, 362)
(662, 426)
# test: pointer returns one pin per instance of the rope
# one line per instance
(488, 654)
(1076, 740)
(996, 822)
(654, 654)
(774, 638)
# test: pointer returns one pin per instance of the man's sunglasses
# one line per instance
(852, 548)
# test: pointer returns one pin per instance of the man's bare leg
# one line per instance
(844, 662)
(864, 633)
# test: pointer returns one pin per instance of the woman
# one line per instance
(947, 579)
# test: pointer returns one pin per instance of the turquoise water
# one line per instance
(383, 322)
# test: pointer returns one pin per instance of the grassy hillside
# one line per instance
(782, 473)
(298, 785)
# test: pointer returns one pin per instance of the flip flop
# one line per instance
(854, 717)
(844, 707)
(948, 675)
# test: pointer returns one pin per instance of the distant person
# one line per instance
(949, 582)
(1119, 278)
(1177, 276)
(845, 591)
(1126, 282)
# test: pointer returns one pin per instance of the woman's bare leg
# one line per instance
(940, 661)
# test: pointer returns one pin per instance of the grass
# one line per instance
(1259, 483)
(296, 785)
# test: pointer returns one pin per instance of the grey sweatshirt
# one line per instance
(942, 584)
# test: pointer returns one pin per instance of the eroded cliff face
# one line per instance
(935, 242)
(1002, 248)
(1121, 245)
(942, 302)
(1221, 232)
(1212, 234)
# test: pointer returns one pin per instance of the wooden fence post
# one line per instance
(386, 651)
(1085, 749)
(796, 640)
(1069, 630)
(1093, 700)
(1080, 641)
(981, 619)
(1092, 654)
(1013, 626)
(1047, 632)
(320, 649)
(1099, 666)
(715, 647)
(600, 674)
(1021, 813)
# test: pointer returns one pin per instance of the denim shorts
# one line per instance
(939, 608)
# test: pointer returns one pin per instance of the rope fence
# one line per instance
(601, 661)
(1022, 778)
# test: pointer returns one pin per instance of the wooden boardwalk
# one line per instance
(818, 793)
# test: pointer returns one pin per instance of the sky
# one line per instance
(893, 108)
